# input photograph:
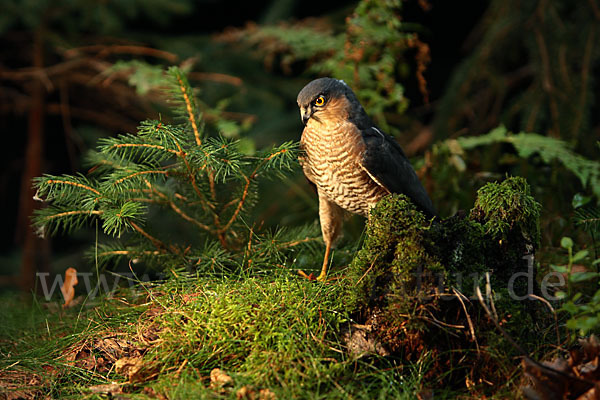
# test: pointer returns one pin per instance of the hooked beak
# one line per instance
(305, 114)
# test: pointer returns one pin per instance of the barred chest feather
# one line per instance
(332, 161)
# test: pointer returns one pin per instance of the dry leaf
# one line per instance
(150, 392)
(68, 286)
(361, 341)
(249, 393)
(266, 394)
(109, 388)
(592, 394)
(130, 367)
(245, 393)
(219, 379)
(21, 385)
(575, 378)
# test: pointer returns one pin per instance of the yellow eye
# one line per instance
(319, 101)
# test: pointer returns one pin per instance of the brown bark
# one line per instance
(33, 247)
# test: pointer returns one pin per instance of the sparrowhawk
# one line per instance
(352, 163)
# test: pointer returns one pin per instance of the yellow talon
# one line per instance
(323, 275)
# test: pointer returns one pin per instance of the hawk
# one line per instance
(352, 163)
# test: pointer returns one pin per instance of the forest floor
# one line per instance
(268, 336)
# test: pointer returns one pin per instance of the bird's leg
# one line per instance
(331, 217)
(323, 275)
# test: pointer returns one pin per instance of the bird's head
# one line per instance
(325, 99)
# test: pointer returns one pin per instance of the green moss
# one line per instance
(401, 244)
(459, 242)
(392, 250)
(278, 331)
(505, 207)
(403, 282)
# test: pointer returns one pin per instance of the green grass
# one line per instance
(274, 331)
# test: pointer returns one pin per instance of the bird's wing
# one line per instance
(386, 163)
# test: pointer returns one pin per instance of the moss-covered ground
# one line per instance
(244, 335)
(279, 334)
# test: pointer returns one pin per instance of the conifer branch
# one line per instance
(183, 86)
(71, 213)
(180, 197)
(297, 242)
(217, 220)
(247, 187)
(104, 50)
(239, 206)
(229, 204)
(174, 207)
(156, 242)
(146, 200)
(139, 173)
(188, 218)
(211, 182)
(162, 166)
(179, 211)
(153, 146)
(76, 184)
(190, 110)
(205, 204)
(128, 253)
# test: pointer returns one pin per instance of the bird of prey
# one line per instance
(352, 163)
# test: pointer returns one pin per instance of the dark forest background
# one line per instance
(74, 71)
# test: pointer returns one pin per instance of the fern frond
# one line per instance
(548, 148)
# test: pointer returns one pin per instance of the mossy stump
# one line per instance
(412, 286)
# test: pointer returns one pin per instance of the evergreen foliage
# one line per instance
(167, 171)
(370, 55)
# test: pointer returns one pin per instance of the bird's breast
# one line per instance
(332, 161)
